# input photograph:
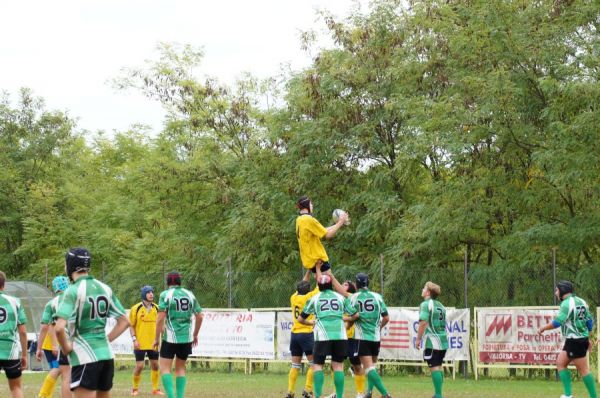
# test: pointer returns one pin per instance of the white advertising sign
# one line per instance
(510, 335)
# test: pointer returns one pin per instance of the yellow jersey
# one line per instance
(298, 301)
(309, 232)
(143, 321)
(47, 344)
(350, 331)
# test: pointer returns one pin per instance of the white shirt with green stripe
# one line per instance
(371, 309)
(434, 313)
(86, 305)
(12, 315)
(180, 305)
(329, 308)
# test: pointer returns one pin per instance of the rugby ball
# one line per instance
(336, 216)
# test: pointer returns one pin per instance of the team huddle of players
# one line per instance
(336, 320)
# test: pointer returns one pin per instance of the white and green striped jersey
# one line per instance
(86, 305)
(329, 308)
(371, 309)
(573, 316)
(434, 313)
(180, 305)
(12, 315)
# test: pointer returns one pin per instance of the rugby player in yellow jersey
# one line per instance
(309, 232)
(142, 318)
(302, 339)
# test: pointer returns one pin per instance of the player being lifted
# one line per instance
(176, 307)
(576, 323)
(432, 327)
(142, 320)
(13, 339)
(48, 345)
(328, 307)
(309, 233)
(301, 339)
(372, 317)
(86, 306)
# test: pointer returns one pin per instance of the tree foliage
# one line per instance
(445, 128)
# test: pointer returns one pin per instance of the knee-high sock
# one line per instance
(309, 380)
(155, 376)
(338, 380)
(292, 377)
(136, 381)
(180, 382)
(360, 381)
(565, 378)
(47, 388)
(590, 384)
(438, 380)
(319, 378)
(167, 382)
(375, 381)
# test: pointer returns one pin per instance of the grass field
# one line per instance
(213, 384)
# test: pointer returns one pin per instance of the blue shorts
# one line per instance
(52, 359)
(301, 343)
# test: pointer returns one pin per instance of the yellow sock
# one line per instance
(292, 377)
(47, 388)
(136, 381)
(309, 380)
(155, 376)
(360, 382)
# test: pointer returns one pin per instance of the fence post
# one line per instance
(553, 274)
(46, 273)
(164, 276)
(381, 280)
(103, 278)
(229, 283)
(466, 297)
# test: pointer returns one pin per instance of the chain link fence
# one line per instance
(463, 285)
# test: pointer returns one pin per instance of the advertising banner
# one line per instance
(399, 335)
(510, 335)
(237, 335)
(223, 335)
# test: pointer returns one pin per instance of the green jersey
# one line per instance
(371, 309)
(329, 308)
(179, 304)
(573, 316)
(12, 315)
(50, 310)
(434, 313)
(86, 305)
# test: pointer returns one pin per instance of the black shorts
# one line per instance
(63, 360)
(51, 359)
(336, 348)
(434, 358)
(368, 348)
(302, 343)
(172, 350)
(324, 267)
(576, 348)
(352, 352)
(141, 354)
(12, 368)
(95, 376)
